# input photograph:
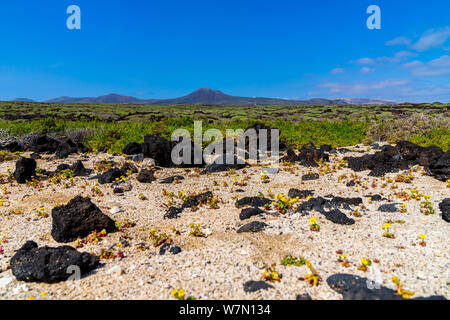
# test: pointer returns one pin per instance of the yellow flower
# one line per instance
(422, 236)
(44, 294)
(366, 262)
(386, 226)
(313, 220)
(30, 298)
(403, 205)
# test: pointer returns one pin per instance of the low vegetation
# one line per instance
(110, 127)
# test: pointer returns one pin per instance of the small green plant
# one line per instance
(426, 206)
(270, 274)
(403, 208)
(196, 232)
(41, 212)
(96, 191)
(289, 260)
(142, 197)
(422, 240)
(313, 278)
(387, 233)
(283, 203)
(343, 258)
(159, 239)
(313, 224)
(180, 294)
(356, 213)
(365, 263)
(265, 178)
(400, 291)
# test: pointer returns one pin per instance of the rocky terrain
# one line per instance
(353, 223)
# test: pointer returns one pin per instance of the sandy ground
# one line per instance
(216, 267)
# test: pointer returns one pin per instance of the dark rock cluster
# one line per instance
(334, 214)
(25, 170)
(50, 265)
(358, 288)
(45, 144)
(146, 176)
(253, 286)
(173, 212)
(445, 209)
(225, 163)
(78, 169)
(254, 226)
(401, 157)
(77, 219)
(160, 149)
(308, 156)
(110, 176)
(253, 202)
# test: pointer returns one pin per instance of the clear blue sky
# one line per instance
(288, 49)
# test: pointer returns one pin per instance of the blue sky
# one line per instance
(287, 49)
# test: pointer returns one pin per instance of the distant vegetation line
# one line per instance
(110, 136)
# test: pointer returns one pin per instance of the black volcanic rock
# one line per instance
(132, 148)
(77, 219)
(247, 213)
(146, 176)
(253, 202)
(307, 156)
(401, 157)
(254, 226)
(168, 247)
(77, 167)
(294, 193)
(172, 213)
(61, 147)
(357, 288)
(253, 286)
(129, 167)
(169, 180)
(198, 199)
(41, 143)
(159, 149)
(25, 170)
(445, 209)
(223, 164)
(111, 175)
(440, 169)
(388, 207)
(382, 162)
(375, 197)
(335, 215)
(310, 176)
(49, 265)
(12, 146)
(264, 141)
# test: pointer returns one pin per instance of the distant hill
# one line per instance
(206, 96)
(110, 98)
(23, 100)
(359, 101)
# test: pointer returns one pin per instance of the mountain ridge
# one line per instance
(206, 96)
